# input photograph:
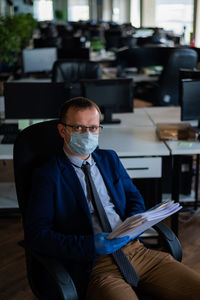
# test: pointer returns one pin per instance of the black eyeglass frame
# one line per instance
(83, 128)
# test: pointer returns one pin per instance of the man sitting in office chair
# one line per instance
(66, 220)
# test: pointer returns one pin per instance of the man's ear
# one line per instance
(61, 130)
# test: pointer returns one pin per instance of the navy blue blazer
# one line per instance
(58, 222)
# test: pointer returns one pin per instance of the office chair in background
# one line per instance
(166, 91)
(32, 147)
(71, 72)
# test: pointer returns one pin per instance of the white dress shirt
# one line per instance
(104, 196)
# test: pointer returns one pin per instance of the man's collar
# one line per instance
(78, 161)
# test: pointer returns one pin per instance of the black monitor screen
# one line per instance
(111, 95)
(143, 57)
(34, 100)
(190, 99)
(39, 59)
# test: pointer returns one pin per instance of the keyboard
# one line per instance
(9, 138)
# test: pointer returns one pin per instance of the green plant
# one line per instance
(97, 45)
(60, 14)
(15, 34)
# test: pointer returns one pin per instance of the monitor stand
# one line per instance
(108, 117)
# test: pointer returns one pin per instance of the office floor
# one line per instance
(141, 103)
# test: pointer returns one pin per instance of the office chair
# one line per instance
(166, 91)
(71, 72)
(32, 147)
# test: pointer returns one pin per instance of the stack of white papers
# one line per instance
(137, 224)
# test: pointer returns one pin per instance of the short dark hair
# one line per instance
(80, 103)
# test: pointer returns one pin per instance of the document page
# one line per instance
(137, 224)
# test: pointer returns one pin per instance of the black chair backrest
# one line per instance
(168, 92)
(74, 71)
(33, 146)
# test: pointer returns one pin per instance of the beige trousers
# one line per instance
(160, 276)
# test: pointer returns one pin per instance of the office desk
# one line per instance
(136, 141)
(166, 114)
(139, 149)
(143, 78)
(110, 73)
(138, 118)
(102, 56)
(137, 145)
(177, 150)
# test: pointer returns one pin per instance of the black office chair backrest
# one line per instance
(73, 71)
(168, 91)
(33, 146)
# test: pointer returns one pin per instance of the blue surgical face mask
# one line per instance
(83, 143)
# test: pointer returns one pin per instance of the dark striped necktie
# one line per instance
(120, 258)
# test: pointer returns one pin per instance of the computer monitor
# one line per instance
(38, 60)
(34, 100)
(111, 95)
(76, 53)
(190, 100)
(142, 57)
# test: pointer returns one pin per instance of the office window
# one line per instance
(115, 11)
(43, 10)
(135, 13)
(175, 15)
(78, 10)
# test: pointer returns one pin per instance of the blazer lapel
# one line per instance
(71, 179)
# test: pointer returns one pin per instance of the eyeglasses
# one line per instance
(82, 128)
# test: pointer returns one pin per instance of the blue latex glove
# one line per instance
(106, 246)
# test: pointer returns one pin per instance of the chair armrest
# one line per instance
(170, 239)
(60, 275)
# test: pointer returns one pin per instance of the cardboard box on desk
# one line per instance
(175, 131)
